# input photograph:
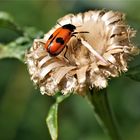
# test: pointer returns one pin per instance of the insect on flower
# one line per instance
(58, 40)
(101, 49)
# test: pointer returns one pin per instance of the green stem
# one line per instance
(104, 115)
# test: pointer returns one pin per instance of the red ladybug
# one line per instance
(58, 40)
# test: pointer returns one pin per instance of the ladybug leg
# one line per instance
(66, 52)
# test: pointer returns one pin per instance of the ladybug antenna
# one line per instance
(80, 32)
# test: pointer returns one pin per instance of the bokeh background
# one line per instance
(23, 109)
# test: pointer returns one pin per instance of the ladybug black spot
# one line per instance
(51, 36)
(60, 40)
(69, 26)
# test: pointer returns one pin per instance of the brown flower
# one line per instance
(91, 58)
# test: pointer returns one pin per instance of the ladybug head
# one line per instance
(69, 26)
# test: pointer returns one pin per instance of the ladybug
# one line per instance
(58, 40)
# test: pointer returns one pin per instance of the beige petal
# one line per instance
(123, 62)
(44, 71)
(111, 17)
(39, 52)
(110, 58)
(94, 67)
(112, 47)
(115, 51)
(70, 85)
(95, 15)
(118, 29)
(43, 61)
(117, 39)
(81, 74)
(61, 72)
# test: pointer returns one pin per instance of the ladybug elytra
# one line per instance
(58, 40)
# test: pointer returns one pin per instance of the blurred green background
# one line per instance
(23, 109)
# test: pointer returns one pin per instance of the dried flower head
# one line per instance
(90, 58)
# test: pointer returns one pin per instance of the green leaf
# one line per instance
(32, 33)
(15, 49)
(134, 73)
(18, 47)
(6, 21)
(52, 121)
(52, 118)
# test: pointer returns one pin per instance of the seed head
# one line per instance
(89, 59)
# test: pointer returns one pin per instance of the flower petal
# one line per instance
(81, 74)
(61, 72)
(44, 71)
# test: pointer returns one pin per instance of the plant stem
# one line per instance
(103, 112)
